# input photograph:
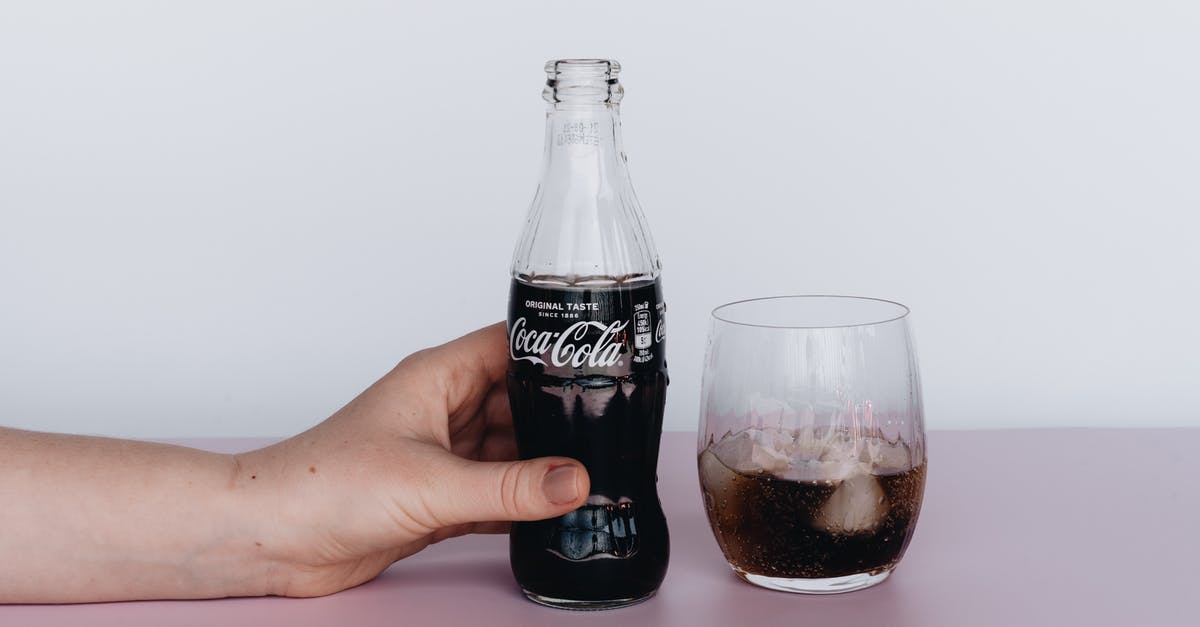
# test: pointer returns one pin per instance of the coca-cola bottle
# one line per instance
(587, 374)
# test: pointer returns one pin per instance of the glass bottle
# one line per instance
(587, 376)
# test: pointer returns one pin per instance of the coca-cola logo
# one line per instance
(570, 347)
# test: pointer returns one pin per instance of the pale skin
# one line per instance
(424, 454)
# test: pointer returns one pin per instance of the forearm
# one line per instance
(97, 519)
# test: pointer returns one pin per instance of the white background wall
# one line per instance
(227, 218)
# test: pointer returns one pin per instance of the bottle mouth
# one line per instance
(584, 81)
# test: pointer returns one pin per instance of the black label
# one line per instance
(573, 332)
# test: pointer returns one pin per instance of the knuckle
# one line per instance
(512, 480)
(414, 359)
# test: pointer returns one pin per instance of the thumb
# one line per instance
(532, 489)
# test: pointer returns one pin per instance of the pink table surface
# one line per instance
(1024, 527)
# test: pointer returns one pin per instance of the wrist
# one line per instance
(249, 554)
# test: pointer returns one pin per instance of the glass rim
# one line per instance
(902, 314)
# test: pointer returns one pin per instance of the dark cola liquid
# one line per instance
(588, 380)
(811, 529)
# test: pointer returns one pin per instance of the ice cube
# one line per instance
(815, 470)
(883, 455)
(826, 457)
(756, 450)
(858, 505)
(714, 474)
(721, 497)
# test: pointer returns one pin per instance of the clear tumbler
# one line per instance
(812, 440)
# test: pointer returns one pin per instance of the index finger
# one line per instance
(468, 367)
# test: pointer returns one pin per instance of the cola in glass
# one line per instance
(588, 374)
(811, 504)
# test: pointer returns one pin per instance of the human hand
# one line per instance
(423, 455)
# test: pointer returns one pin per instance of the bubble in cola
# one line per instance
(811, 503)
(587, 372)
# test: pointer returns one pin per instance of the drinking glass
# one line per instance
(812, 441)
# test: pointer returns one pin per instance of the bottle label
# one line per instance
(587, 380)
(571, 332)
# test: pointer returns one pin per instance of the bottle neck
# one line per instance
(584, 227)
(583, 148)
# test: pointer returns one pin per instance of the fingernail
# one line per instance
(560, 486)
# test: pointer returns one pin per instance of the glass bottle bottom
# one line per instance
(831, 585)
(573, 604)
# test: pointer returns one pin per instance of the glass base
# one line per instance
(574, 604)
(831, 585)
